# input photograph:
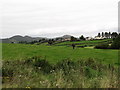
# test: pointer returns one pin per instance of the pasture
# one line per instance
(59, 66)
(56, 53)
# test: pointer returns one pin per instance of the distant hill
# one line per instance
(19, 38)
(66, 36)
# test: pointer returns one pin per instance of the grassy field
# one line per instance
(57, 53)
(93, 42)
(44, 66)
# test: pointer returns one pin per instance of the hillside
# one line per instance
(19, 38)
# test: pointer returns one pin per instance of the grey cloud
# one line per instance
(57, 17)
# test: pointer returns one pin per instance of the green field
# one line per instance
(59, 66)
(57, 53)
(92, 42)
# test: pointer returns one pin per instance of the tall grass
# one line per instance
(37, 72)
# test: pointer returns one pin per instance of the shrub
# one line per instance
(42, 65)
(39, 63)
(7, 72)
(116, 43)
(65, 65)
(102, 46)
(90, 73)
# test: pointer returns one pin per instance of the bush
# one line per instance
(39, 63)
(42, 65)
(102, 46)
(90, 73)
(7, 72)
(116, 43)
(65, 65)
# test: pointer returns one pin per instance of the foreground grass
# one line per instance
(57, 53)
(39, 73)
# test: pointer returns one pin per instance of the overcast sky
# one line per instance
(51, 18)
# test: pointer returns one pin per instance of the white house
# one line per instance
(96, 37)
(88, 38)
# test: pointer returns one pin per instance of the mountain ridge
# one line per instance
(19, 38)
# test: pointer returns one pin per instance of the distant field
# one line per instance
(56, 53)
(93, 42)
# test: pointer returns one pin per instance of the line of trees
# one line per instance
(34, 41)
(73, 38)
(77, 39)
(82, 37)
(108, 34)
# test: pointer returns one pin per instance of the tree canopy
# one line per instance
(116, 43)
